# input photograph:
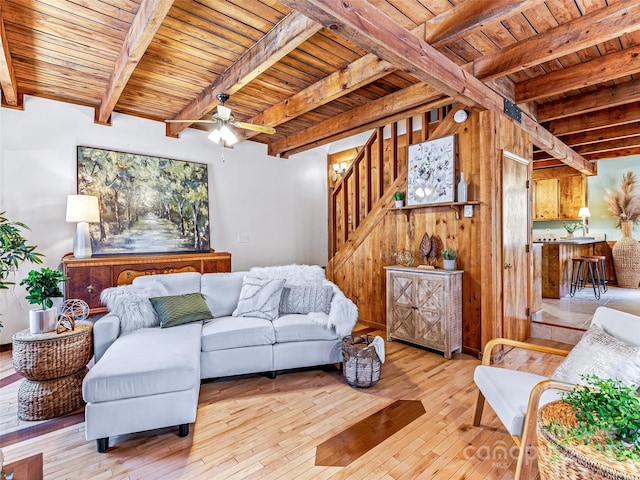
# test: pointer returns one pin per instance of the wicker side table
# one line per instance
(54, 366)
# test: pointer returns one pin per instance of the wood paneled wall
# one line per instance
(480, 141)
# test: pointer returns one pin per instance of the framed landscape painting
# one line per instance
(147, 204)
(431, 171)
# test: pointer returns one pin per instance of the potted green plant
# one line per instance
(449, 255)
(41, 287)
(399, 198)
(14, 250)
(571, 227)
(597, 423)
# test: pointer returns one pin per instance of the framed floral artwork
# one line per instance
(431, 171)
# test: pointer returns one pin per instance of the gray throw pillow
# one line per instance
(259, 298)
(306, 299)
(179, 309)
(598, 353)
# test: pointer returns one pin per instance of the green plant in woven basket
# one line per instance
(608, 417)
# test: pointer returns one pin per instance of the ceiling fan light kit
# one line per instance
(223, 118)
(225, 134)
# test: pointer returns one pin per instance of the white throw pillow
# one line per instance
(132, 306)
(259, 298)
(598, 353)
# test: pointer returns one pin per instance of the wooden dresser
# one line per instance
(425, 307)
(89, 276)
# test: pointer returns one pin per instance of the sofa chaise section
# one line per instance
(147, 379)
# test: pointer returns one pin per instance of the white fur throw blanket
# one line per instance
(130, 303)
(343, 314)
(293, 274)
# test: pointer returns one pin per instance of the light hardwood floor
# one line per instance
(254, 427)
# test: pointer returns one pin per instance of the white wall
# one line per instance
(281, 204)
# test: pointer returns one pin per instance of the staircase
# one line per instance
(359, 199)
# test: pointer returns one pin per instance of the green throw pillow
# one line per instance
(178, 309)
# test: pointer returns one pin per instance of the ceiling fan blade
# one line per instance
(255, 128)
(191, 121)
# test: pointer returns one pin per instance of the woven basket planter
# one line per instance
(560, 460)
(51, 355)
(626, 258)
(39, 400)
(361, 365)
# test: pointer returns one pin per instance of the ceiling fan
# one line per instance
(224, 118)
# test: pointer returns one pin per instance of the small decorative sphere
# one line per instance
(78, 309)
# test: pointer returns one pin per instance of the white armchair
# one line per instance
(515, 395)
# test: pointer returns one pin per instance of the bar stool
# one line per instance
(594, 275)
(601, 269)
(579, 268)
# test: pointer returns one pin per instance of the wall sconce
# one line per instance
(82, 209)
(339, 169)
(584, 213)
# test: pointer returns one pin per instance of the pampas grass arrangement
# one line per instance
(624, 204)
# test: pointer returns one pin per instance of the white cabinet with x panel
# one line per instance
(424, 307)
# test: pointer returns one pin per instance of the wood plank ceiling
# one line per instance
(319, 70)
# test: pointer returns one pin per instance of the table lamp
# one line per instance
(82, 209)
(584, 213)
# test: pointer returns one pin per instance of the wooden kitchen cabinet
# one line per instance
(573, 196)
(558, 194)
(545, 199)
(88, 277)
(424, 307)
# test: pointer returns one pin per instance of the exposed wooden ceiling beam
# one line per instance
(286, 36)
(609, 145)
(610, 149)
(595, 120)
(367, 26)
(144, 26)
(596, 27)
(602, 134)
(410, 97)
(381, 122)
(464, 19)
(602, 69)
(625, 152)
(7, 76)
(599, 99)
(470, 16)
(361, 72)
(357, 74)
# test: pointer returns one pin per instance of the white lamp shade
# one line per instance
(82, 208)
(584, 212)
(228, 136)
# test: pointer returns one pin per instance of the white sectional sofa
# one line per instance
(149, 378)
